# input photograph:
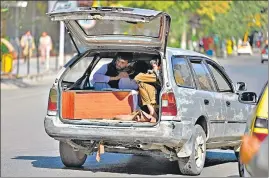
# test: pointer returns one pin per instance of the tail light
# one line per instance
(260, 123)
(52, 102)
(260, 136)
(169, 107)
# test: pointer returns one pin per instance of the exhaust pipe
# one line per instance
(148, 146)
(139, 146)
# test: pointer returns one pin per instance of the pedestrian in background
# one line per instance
(28, 45)
(45, 46)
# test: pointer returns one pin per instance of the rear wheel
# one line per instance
(240, 165)
(71, 158)
(194, 164)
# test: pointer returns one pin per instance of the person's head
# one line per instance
(141, 67)
(44, 34)
(28, 33)
(155, 63)
(122, 60)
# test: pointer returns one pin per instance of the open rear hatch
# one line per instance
(93, 28)
(113, 27)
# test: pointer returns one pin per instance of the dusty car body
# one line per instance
(191, 118)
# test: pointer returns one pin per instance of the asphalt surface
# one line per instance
(26, 150)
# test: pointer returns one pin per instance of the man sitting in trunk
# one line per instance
(113, 75)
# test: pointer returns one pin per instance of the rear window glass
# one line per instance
(107, 27)
(182, 73)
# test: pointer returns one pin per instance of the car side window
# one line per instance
(182, 72)
(202, 76)
(222, 83)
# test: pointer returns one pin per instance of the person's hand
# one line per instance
(155, 68)
(123, 75)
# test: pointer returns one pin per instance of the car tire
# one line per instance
(189, 165)
(71, 158)
(240, 167)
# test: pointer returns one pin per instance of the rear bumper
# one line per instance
(244, 52)
(166, 132)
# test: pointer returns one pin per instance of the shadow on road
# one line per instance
(215, 158)
(16, 82)
(124, 163)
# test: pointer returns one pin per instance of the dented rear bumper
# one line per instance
(166, 132)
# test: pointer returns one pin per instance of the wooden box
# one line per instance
(97, 105)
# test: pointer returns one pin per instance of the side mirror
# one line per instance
(248, 98)
(241, 86)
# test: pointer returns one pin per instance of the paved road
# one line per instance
(26, 150)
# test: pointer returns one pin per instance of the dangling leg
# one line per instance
(148, 97)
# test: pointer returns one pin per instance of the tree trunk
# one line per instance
(184, 36)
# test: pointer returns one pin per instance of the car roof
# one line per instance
(179, 52)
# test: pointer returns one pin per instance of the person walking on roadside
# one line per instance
(8, 54)
(28, 45)
(45, 46)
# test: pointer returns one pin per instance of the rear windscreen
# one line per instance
(108, 27)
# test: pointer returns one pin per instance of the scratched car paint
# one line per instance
(204, 119)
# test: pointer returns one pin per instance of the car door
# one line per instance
(235, 113)
(210, 99)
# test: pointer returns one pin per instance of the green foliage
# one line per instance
(235, 22)
(224, 18)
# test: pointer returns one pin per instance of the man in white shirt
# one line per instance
(112, 75)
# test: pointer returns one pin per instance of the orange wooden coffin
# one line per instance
(97, 105)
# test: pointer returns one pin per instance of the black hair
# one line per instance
(125, 56)
(139, 67)
(156, 60)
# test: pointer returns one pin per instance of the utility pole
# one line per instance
(17, 22)
(61, 39)
(61, 45)
(184, 36)
(33, 17)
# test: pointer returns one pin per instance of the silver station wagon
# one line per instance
(199, 108)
